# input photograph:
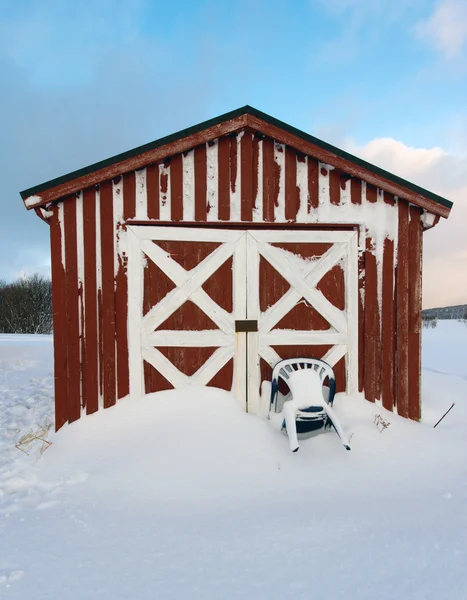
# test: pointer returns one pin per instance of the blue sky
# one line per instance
(386, 79)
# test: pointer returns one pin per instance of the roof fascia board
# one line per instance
(223, 125)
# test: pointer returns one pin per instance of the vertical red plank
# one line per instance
(356, 191)
(313, 183)
(255, 170)
(200, 183)
(72, 294)
(90, 366)
(268, 179)
(371, 193)
(108, 293)
(402, 327)
(100, 333)
(129, 196)
(246, 180)
(415, 312)
(59, 321)
(371, 312)
(334, 187)
(292, 192)
(387, 331)
(223, 159)
(176, 187)
(152, 184)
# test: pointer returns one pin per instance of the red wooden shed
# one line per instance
(206, 256)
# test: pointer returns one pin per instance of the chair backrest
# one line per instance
(284, 367)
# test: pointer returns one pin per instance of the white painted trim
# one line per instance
(185, 234)
(258, 208)
(166, 368)
(302, 184)
(235, 196)
(141, 195)
(351, 301)
(240, 312)
(188, 161)
(287, 337)
(184, 338)
(61, 225)
(253, 312)
(135, 310)
(277, 259)
(180, 276)
(309, 236)
(334, 354)
(178, 296)
(214, 364)
(269, 354)
(117, 196)
(212, 189)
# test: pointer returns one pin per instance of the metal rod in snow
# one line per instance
(448, 410)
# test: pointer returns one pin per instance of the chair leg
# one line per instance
(337, 426)
(289, 411)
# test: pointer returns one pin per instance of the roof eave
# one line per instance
(231, 122)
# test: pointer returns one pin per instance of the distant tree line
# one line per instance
(26, 305)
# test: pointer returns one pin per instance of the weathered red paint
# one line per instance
(402, 323)
(108, 293)
(389, 357)
(415, 312)
(59, 322)
(90, 362)
(72, 315)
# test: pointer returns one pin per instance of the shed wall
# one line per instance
(245, 179)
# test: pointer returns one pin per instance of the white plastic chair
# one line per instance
(305, 409)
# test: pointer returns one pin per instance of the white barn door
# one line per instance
(297, 289)
(303, 291)
(191, 321)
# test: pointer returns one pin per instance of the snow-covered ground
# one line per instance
(182, 495)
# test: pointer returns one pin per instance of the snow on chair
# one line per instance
(307, 410)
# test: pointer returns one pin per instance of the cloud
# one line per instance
(80, 82)
(446, 29)
(445, 246)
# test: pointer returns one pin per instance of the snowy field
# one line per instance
(183, 496)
